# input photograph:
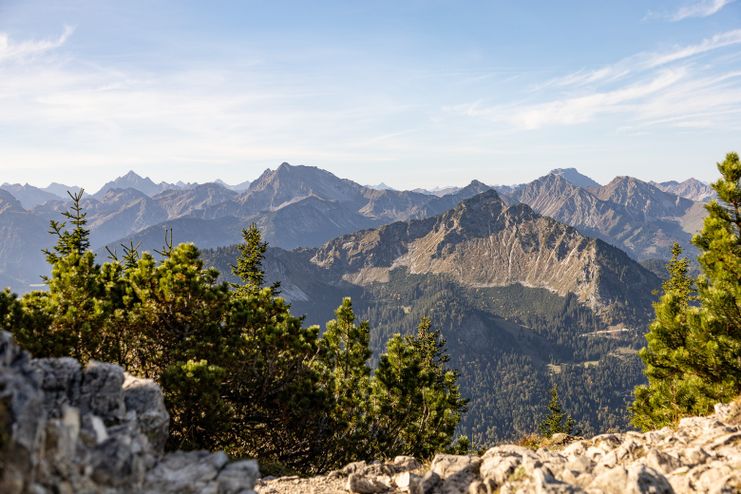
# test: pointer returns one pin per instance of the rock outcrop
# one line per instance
(68, 429)
(701, 454)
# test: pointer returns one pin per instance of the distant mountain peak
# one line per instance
(574, 177)
(60, 190)
(691, 189)
(380, 186)
(134, 181)
(8, 202)
(28, 195)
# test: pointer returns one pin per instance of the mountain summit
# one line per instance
(143, 184)
(130, 181)
(573, 176)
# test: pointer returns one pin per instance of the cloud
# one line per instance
(10, 50)
(718, 41)
(703, 8)
(580, 109)
(672, 89)
(644, 61)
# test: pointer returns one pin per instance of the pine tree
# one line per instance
(76, 240)
(271, 382)
(557, 421)
(69, 319)
(693, 352)
(249, 262)
(344, 354)
(714, 340)
(416, 398)
(668, 394)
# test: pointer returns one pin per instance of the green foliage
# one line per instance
(249, 261)
(557, 421)
(344, 353)
(415, 397)
(74, 241)
(280, 408)
(693, 352)
(10, 310)
(714, 340)
(198, 415)
(668, 394)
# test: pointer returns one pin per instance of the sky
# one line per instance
(413, 93)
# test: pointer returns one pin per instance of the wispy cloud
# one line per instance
(644, 61)
(580, 109)
(718, 41)
(703, 8)
(13, 50)
(691, 86)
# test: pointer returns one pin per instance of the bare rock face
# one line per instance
(65, 429)
(701, 454)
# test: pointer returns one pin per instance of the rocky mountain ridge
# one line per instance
(690, 189)
(302, 206)
(628, 213)
(483, 243)
(143, 184)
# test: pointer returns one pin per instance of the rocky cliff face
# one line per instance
(68, 429)
(700, 455)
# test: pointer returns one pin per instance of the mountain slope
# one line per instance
(182, 202)
(130, 181)
(639, 196)
(60, 190)
(204, 233)
(144, 185)
(23, 236)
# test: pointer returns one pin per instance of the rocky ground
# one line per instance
(702, 454)
(66, 429)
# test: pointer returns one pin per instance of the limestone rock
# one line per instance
(367, 485)
(71, 430)
(144, 397)
(703, 454)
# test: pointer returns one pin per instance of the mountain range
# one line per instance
(302, 206)
(532, 284)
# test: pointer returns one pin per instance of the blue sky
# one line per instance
(412, 93)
